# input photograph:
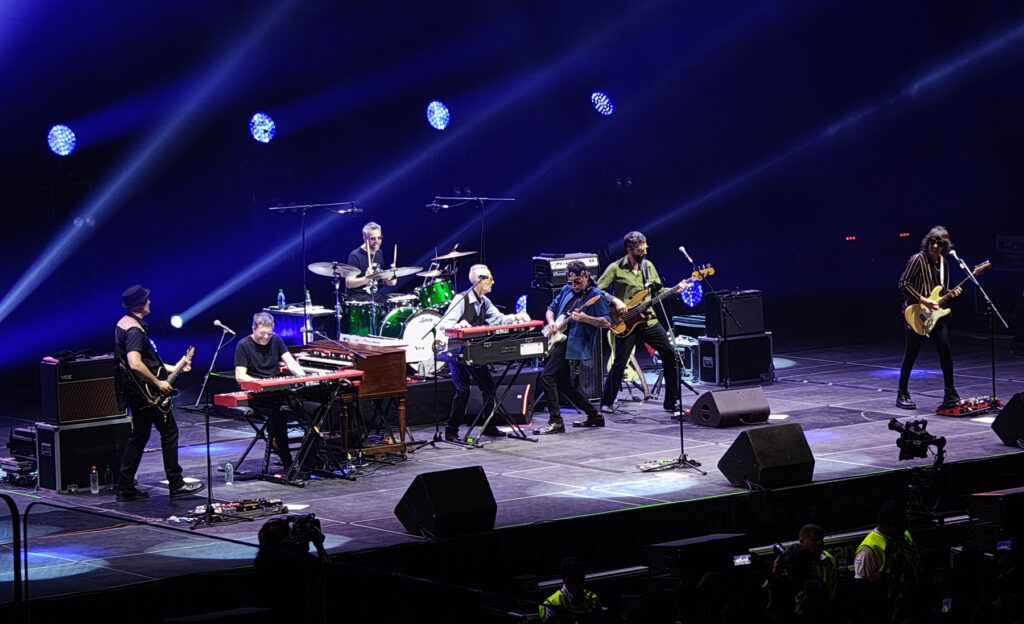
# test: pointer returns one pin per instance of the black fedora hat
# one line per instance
(133, 296)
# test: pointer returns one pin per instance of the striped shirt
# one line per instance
(921, 276)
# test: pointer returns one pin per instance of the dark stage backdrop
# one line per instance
(760, 135)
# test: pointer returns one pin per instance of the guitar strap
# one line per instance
(127, 371)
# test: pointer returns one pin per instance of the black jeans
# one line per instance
(555, 379)
(461, 374)
(656, 337)
(940, 336)
(144, 418)
(277, 430)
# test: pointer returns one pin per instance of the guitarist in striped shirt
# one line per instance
(925, 270)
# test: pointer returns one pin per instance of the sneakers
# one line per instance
(597, 420)
(451, 435)
(904, 401)
(127, 496)
(553, 427)
(187, 489)
(949, 399)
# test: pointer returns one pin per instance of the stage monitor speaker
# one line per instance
(1009, 423)
(447, 503)
(746, 307)
(727, 408)
(66, 453)
(769, 457)
(78, 391)
(518, 402)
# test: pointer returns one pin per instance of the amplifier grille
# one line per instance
(88, 399)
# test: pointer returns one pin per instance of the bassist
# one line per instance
(585, 308)
(627, 277)
(925, 270)
(145, 369)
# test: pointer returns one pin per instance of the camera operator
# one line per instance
(291, 577)
(792, 568)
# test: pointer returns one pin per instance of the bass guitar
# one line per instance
(556, 333)
(639, 311)
(922, 319)
(163, 401)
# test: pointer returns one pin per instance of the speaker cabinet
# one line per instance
(1009, 423)
(769, 457)
(67, 453)
(79, 391)
(518, 402)
(447, 503)
(746, 307)
(728, 408)
(742, 359)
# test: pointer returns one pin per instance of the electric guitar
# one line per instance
(638, 311)
(922, 319)
(163, 401)
(556, 333)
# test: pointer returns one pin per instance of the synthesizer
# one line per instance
(488, 332)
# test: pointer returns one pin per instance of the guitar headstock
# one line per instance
(981, 268)
(702, 272)
(189, 353)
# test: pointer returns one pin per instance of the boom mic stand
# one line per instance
(727, 373)
(220, 345)
(991, 312)
(458, 201)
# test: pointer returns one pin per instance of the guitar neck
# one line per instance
(642, 307)
(949, 295)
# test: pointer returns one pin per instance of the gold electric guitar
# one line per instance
(638, 311)
(556, 332)
(163, 401)
(922, 319)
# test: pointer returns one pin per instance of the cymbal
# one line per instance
(387, 274)
(330, 269)
(434, 273)
(451, 255)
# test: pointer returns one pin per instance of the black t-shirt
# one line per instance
(357, 258)
(135, 339)
(260, 361)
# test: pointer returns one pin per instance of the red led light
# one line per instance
(904, 234)
(851, 238)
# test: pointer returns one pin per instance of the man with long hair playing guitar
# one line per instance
(142, 386)
(628, 276)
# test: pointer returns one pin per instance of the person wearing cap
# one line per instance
(140, 366)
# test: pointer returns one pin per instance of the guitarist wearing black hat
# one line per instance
(141, 388)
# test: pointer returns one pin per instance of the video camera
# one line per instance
(914, 440)
(304, 529)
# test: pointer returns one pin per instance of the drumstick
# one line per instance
(395, 262)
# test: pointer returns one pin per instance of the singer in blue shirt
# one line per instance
(574, 317)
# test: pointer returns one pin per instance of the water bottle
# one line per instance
(281, 303)
(108, 479)
(229, 473)
(94, 481)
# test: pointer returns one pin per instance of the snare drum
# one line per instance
(413, 327)
(357, 317)
(436, 294)
(398, 300)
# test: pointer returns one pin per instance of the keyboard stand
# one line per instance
(498, 407)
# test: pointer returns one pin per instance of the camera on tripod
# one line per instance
(914, 440)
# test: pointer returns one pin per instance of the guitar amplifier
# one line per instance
(79, 390)
(747, 358)
(747, 309)
(549, 268)
(66, 453)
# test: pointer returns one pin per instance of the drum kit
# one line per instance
(409, 317)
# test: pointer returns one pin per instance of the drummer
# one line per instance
(368, 258)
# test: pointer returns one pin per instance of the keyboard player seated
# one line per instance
(473, 309)
(257, 356)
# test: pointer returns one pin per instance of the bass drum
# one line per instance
(413, 327)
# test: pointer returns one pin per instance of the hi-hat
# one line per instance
(433, 273)
(387, 274)
(331, 269)
(451, 255)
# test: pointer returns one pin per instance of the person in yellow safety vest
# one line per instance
(572, 603)
(888, 552)
(823, 564)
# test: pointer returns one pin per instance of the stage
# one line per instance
(842, 397)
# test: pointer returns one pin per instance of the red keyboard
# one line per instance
(485, 331)
(274, 383)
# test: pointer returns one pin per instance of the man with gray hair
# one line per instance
(368, 258)
(470, 309)
(258, 356)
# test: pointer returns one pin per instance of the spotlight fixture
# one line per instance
(602, 103)
(262, 127)
(176, 322)
(437, 115)
(61, 139)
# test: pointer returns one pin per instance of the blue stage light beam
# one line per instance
(141, 163)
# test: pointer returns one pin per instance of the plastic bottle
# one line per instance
(229, 473)
(281, 303)
(94, 481)
(108, 479)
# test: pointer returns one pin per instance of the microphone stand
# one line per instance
(220, 345)
(458, 201)
(991, 312)
(727, 372)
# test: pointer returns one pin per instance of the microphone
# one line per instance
(436, 206)
(224, 327)
(952, 254)
(351, 210)
(682, 250)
